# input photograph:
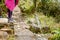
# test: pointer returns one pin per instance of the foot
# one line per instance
(10, 20)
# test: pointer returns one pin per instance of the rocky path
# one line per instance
(20, 28)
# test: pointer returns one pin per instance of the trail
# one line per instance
(21, 33)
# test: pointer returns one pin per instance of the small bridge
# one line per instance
(5, 25)
(5, 29)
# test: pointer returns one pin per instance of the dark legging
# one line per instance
(9, 14)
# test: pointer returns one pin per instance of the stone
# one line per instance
(24, 34)
(3, 20)
(3, 35)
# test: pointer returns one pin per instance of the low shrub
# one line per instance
(55, 37)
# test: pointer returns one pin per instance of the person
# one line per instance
(10, 4)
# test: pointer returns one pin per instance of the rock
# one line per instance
(16, 11)
(24, 34)
(3, 20)
(24, 25)
(42, 36)
(3, 35)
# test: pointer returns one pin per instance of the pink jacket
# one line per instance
(10, 4)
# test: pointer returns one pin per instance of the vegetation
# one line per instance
(55, 37)
(48, 12)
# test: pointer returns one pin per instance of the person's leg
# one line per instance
(9, 15)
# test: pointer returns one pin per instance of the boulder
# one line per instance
(3, 35)
(3, 20)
